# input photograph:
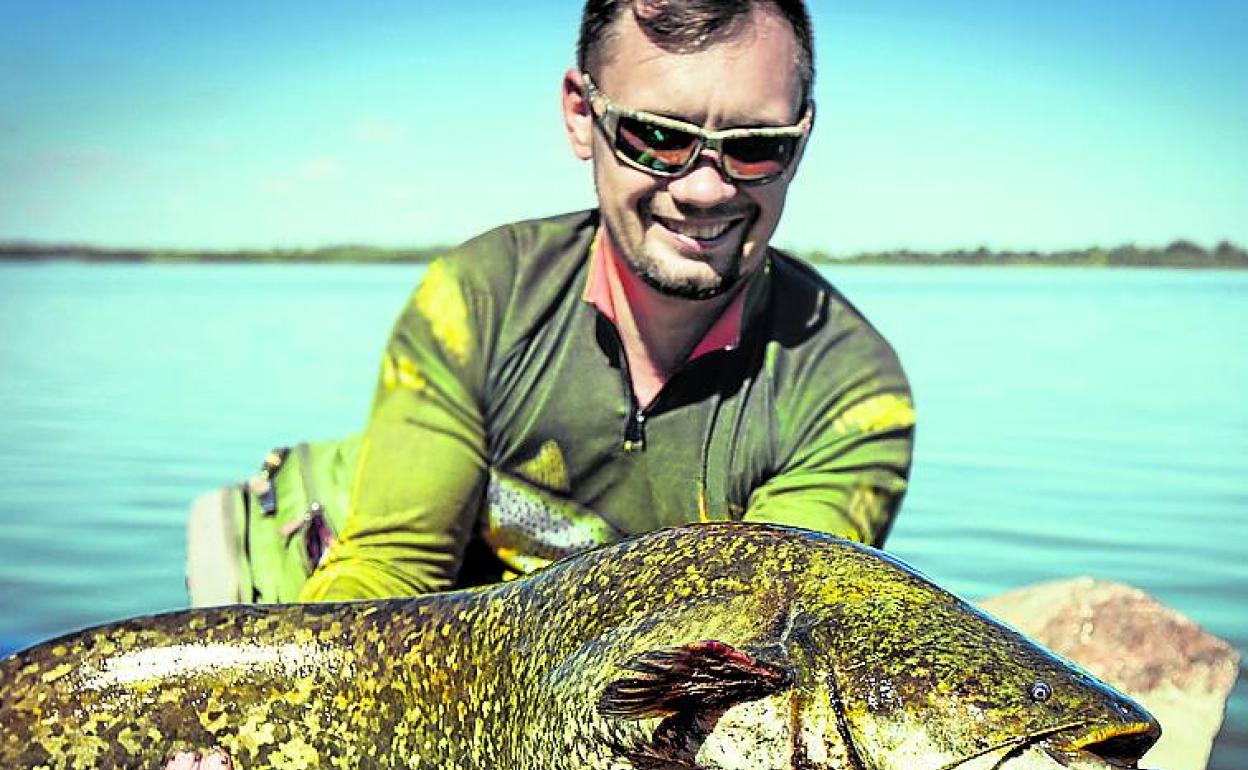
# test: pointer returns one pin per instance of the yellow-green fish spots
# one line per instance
(706, 647)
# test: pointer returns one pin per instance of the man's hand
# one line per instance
(213, 760)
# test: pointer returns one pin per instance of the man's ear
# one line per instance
(578, 116)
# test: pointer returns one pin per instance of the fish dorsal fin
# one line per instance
(698, 676)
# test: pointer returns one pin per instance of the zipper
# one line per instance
(313, 526)
(635, 430)
(317, 534)
(635, 425)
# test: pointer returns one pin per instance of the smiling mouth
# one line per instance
(698, 231)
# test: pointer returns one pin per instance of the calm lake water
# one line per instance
(1071, 422)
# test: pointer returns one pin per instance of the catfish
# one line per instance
(722, 646)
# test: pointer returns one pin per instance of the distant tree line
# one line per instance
(329, 254)
(1180, 253)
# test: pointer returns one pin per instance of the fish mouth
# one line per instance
(1080, 745)
(1119, 746)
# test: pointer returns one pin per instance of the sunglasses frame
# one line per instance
(609, 122)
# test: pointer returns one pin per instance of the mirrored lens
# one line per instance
(656, 147)
(758, 157)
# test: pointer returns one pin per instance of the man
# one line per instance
(560, 383)
(653, 361)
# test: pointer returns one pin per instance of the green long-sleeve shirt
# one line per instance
(500, 376)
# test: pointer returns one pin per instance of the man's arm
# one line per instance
(421, 474)
(849, 475)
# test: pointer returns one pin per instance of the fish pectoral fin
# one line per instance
(705, 675)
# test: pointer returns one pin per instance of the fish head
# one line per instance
(979, 697)
(914, 678)
(712, 706)
(851, 659)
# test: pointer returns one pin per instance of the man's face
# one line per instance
(697, 234)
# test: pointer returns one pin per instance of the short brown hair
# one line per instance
(684, 26)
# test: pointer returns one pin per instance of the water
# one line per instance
(1071, 422)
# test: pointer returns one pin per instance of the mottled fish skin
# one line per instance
(826, 654)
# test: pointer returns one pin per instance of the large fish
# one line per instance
(722, 647)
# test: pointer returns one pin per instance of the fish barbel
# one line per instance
(713, 646)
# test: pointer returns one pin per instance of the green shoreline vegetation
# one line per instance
(1179, 254)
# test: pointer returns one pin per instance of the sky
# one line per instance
(1025, 124)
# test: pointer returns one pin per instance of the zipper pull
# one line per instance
(318, 535)
(635, 431)
(261, 485)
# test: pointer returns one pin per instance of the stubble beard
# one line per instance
(650, 270)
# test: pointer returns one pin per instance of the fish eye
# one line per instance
(1040, 692)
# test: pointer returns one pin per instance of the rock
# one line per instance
(1149, 651)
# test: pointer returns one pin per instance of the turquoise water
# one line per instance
(1071, 422)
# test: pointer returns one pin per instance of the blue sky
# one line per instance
(1040, 124)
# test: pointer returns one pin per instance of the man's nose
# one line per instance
(704, 185)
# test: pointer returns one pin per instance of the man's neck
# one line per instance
(658, 332)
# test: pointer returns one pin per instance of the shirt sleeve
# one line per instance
(849, 472)
(421, 474)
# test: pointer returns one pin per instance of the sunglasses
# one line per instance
(668, 147)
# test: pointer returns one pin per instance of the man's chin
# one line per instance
(690, 287)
